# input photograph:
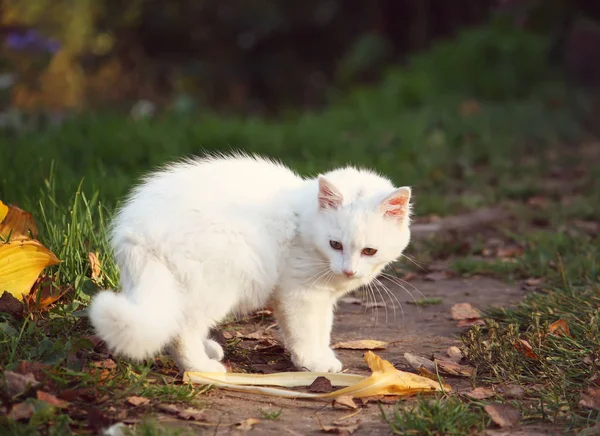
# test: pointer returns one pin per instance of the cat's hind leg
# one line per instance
(213, 349)
(191, 353)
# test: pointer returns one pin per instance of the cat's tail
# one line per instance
(142, 321)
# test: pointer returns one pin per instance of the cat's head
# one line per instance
(362, 223)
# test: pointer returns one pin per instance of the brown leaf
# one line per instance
(363, 344)
(168, 408)
(51, 399)
(503, 415)
(538, 201)
(9, 304)
(533, 281)
(247, 424)
(436, 276)
(321, 384)
(21, 411)
(559, 328)
(455, 353)
(512, 391)
(481, 393)
(453, 368)
(345, 400)
(44, 293)
(418, 362)
(137, 401)
(469, 107)
(254, 336)
(470, 322)
(424, 372)
(590, 398)
(18, 222)
(525, 348)
(95, 266)
(509, 252)
(105, 364)
(17, 384)
(462, 311)
(340, 429)
(191, 414)
(87, 394)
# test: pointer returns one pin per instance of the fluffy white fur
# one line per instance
(201, 239)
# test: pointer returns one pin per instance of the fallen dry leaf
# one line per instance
(254, 336)
(454, 353)
(51, 399)
(470, 322)
(590, 398)
(461, 311)
(533, 281)
(321, 384)
(17, 384)
(44, 293)
(105, 364)
(247, 424)
(525, 348)
(480, 393)
(384, 380)
(373, 304)
(137, 401)
(363, 344)
(503, 415)
(509, 252)
(350, 300)
(21, 411)
(469, 107)
(191, 414)
(512, 391)
(559, 328)
(418, 362)
(9, 304)
(95, 266)
(168, 408)
(436, 276)
(453, 368)
(345, 400)
(16, 222)
(339, 428)
(424, 372)
(21, 262)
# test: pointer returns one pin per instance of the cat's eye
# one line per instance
(336, 245)
(369, 251)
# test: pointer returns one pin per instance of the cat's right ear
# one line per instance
(329, 196)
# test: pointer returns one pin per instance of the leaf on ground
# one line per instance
(321, 384)
(363, 344)
(17, 384)
(463, 311)
(509, 252)
(44, 293)
(254, 336)
(525, 348)
(470, 322)
(191, 414)
(424, 372)
(559, 328)
(373, 304)
(418, 362)
(88, 394)
(51, 399)
(453, 368)
(95, 266)
(134, 400)
(9, 304)
(437, 276)
(21, 411)
(480, 393)
(454, 353)
(105, 364)
(345, 400)
(469, 107)
(21, 262)
(247, 424)
(504, 415)
(339, 428)
(533, 281)
(590, 398)
(512, 391)
(168, 408)
(16, 222)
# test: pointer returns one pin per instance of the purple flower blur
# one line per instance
(31, 40)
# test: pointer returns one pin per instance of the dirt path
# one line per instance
(424, 331)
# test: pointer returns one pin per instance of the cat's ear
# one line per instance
(397, 204)
(329, 196)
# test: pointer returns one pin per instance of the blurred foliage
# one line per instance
(261, 56)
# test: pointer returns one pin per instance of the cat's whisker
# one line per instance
(398, 280)
(313, 279)
(374, 306)
(384, 304)
(392, 298)
(399, 284)
(414, 262)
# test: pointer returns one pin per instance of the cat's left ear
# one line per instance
(397, 204)
(329, 196)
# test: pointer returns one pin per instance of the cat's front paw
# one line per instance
(326, 362)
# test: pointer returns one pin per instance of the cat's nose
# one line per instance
(348, 273)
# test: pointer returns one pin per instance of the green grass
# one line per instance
(442, 416)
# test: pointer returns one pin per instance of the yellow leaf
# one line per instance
(95, 266)
(16, 222)
(364, 344)
(21, 262)
(384, 380)
(3, 210)
(559, 328)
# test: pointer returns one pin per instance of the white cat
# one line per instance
(204, 238)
